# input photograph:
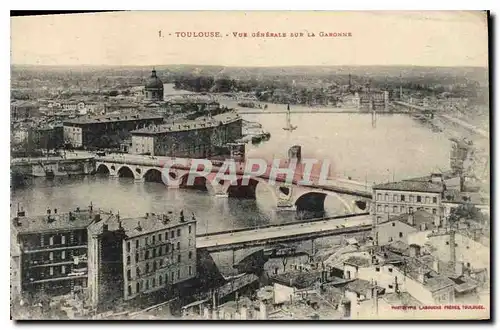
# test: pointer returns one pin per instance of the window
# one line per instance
(51, 270)
(411, 198)
(166, 278)
(137, 287)
(128, 246)
(189, 242)
(190, 254)
(379, 196)
(379, 208)
(160, 280)
(447, 243)
(51, 240)
(386, 197)
(419, 199)
(166, 248)
(136, 243)
(178, 232)
(154, 282)
(400, 234)
(128, 260)
(147, 267)
(394, 209)
(434, 211)
(161, 262)
(147, 284)
(172, 234)
(63, 269)
(159, 237)
(63, 255)
(390, 270)
(390, 286)
(154, 266)
(63, 239)
(158, 251)
(154, 237)
(154, 253)
(434, 200)
(178, 273)
(427, 200)
(146, 240)
(137, 272)
(190, 270)
(129, 290)
(379, 219)
(377, 269)
(51, 256)
(189, 229)
(402, 209)
(394, 198)
(172, 277)
(147, 255)
(178, 258)
(410, 210)
(129, 275)
(136, 257)
(402, 198)
(178, 245)
(386, 208)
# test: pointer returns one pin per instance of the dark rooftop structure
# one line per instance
(53, 221)
(109, 118)
(299, 280)
(420, 186)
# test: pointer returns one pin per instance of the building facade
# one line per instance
(198, 138)
(53, 250)
(395, 198)
(106, 131)
(148, 254)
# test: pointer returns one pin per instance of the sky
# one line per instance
(453, 38)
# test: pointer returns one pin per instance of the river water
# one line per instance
(399, 147)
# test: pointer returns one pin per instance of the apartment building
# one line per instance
(139, 256)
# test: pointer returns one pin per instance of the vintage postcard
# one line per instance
(250, 166)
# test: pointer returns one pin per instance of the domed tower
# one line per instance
(154, 88)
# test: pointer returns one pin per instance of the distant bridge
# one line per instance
(284, 233)
(290, 196)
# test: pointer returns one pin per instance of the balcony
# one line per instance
(57, 247)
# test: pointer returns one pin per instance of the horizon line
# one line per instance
(258, 66)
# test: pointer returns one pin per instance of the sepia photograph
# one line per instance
(250, 165)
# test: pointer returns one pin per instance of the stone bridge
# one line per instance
(354, 197)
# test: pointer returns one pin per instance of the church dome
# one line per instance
(154, 81)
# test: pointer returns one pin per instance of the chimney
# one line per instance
(435, 265)
(139, 228)
(77, 209)
(437, 178)
(48, 211)
(414, 250)
(165, 219)
(120, 224)
(411, 219)
(147, 215)
(55, 211)
(71, 216)
(97, 217)
(105, 227)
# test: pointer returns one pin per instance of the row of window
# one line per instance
(402, 209)
(151, 267)
(155, 282)
(157, 252)
(402, 198)
(157, 238)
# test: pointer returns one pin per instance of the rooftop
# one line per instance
(361, 286)
(357, 261)
(138, 226)
(112, 118)
(401, 299)
(299, 280)
(75, 219)
(419, 217)
(420, 186)
(199, 123)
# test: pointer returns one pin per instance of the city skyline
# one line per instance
(133, 39)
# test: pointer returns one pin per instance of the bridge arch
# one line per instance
(153, 175)
(236, 189)
(200, 182)
(125, 172)
(103, 169)
(314, 200)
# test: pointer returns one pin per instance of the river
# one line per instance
(397, 148)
